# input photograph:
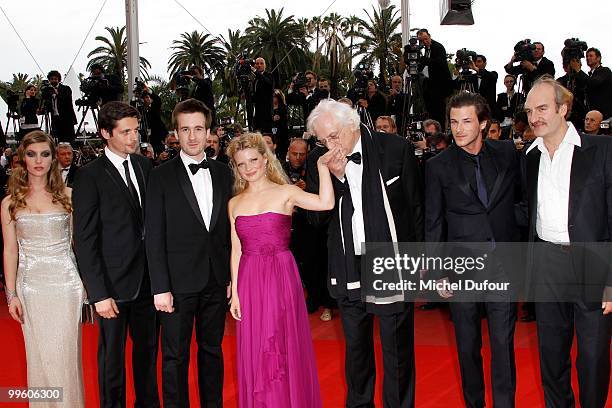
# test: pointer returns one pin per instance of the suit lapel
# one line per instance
(533, 171)
(216, 192)
(501, 166)
(116, 178)
(187, 188)
(582, 161)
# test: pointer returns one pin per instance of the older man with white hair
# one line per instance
(378, 199)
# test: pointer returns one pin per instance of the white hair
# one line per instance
(344, 114)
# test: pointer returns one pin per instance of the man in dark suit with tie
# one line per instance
(62, 113)
(65, 160)
(486, 81)
(570, 220)
(378, 199)
(470, 197)
(109, 235)
(263, 91)
(438, 81)
(188, 248)
(531, 70)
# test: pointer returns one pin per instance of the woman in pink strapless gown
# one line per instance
(276, 360)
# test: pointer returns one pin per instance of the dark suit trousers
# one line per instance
(138, 317)
(208, 308)
(397, 338)
(501, 318)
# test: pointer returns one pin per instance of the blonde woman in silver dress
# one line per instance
(43, 288)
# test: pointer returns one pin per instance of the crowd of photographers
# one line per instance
(412, 105)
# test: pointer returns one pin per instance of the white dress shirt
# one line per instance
(118, 163)
(553, 188)
(202, 187)
(64, 172)
(354, 174)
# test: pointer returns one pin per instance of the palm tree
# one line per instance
(380, 43)
(335, 49)
(113, 54)
(19, 82)
(161, 87)
(350, 28)
(196, 49)
(280, 41)
(233, 46)
(315, 27)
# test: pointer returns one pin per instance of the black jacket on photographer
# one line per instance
(544, 66)
(204, 93)
(599, 91)
(377, 103)
(113, 90)
(62, 114)
(263, 91)
(576, 82)
(156, 124)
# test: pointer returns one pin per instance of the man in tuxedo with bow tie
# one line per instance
(188, 248)
(109, 202)
(65, 157)
(378, 199)
(470, 197)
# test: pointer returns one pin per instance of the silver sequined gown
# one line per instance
(51, 293)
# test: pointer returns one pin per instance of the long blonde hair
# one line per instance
(19, 186)
(274, 170)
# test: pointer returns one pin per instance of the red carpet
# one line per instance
(438, 382)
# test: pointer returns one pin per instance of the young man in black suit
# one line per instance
(569, 184)
(109, 199)
(470, 197)
(188, 248)
(378, 199)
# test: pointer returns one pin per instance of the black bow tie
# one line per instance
(66, 169)
(195, 167)
(355, 158)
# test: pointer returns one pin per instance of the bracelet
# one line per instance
(10, 295)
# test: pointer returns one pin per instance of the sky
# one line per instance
(54, 30)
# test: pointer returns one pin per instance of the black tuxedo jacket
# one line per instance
(440, 79)
(71, 175)
(599, 91)
(182, 253)
(64, 105)
(502, 102)
(488, 87)
(453, 211)
(402, 180)
(590, 211)
(109, 229)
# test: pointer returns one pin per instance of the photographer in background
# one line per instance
(151, 113)
(486, 81)
(385, 124)
(263, 91)
(173, 148)
(592, 121)
(203, 90)
(437, 83)
(507, 101)
(599, 85)
(108, 86)
(532, 63)
(28, 110)
(213, 149)
(61, 109)
(575, 80)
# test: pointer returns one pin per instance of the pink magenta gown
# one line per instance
(276, 360)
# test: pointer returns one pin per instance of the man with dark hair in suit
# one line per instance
(486, 81)
(438, 81)
(599, 85)
(570, 220)
(62, 113)
(109, 233)
(204, 91)
(188, 248)
(378, 199)
(476, 204)
(531, 70)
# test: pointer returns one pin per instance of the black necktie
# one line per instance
(130, 184)
(355, 158)
(480, 184)
(195, 167)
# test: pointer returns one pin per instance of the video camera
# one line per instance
(243, 67)
(12, 102)
(181, 81)
(464, 58)
(573, 49)
(92, 88)
(412, 55)
(523, 51)
(299, 81)
(363, 73)
(139, 88)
